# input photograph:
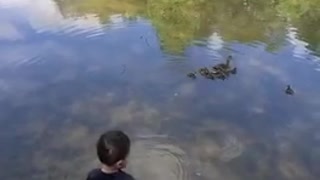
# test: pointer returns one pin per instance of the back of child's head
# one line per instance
(112, 147)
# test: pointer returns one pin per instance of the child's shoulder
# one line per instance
(94, 173)
(126, 176)
(97, 174)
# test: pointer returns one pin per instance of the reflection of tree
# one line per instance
(310, 32)
(304, 15)
(103, 9)
(179, 22)
(238, 21)
(176, 21)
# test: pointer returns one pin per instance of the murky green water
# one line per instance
(71, 69)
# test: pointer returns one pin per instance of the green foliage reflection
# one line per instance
(179, 22)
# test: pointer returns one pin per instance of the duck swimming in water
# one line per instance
(229, 58)
(227, 64)
(289, 90)
(223, 66)
(220, 71)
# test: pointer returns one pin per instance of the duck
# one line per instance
(224, 65)
(229, 58)
(192, 75)
(289, 90)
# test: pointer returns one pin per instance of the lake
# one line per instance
(72, 69)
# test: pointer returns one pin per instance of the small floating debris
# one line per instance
(219, 71)
(289, 90)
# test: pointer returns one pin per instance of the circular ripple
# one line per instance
(157, 159)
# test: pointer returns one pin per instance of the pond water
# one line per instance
(71, 69)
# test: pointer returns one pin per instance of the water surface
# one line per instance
(71, 69)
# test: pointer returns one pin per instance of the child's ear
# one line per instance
(122, 164)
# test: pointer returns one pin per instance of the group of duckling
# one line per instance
(219, 71)
(223, 71)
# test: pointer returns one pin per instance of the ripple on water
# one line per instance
(28, 61)
(22, 59)
(232, 148)
(157, 159)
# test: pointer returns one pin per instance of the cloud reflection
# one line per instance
(45, 16)
(9, 32)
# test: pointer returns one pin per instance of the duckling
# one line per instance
(223, 71)
(210, 76)
(192, 75)
(226, 72)
(217, 68)
(204, 71)
(220, 75)
(289, 90)
(217, 73)
(233, 71)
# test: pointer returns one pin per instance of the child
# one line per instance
(112, 149)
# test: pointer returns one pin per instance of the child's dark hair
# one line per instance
(112, 147)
